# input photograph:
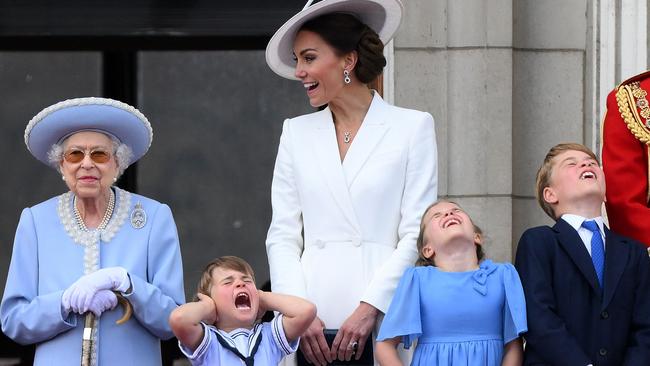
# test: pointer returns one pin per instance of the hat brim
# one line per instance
(383, 16)
(112, 117)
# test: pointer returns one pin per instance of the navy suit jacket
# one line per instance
(571, 320)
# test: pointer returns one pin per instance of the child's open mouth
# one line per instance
(587, 175)
(450, 222)
(242, 301)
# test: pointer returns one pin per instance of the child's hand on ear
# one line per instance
(262, 307)
(209, 309)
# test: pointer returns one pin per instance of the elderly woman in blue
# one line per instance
(77, 253)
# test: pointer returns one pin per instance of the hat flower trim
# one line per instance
(87, 101)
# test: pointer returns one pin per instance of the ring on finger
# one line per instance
(353, 345)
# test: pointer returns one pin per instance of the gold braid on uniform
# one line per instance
(627, 94)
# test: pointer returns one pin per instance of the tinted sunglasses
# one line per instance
(98, 156)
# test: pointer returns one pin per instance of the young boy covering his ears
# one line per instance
(221, 328)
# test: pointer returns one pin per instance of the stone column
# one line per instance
(454, 60)
(548, 100)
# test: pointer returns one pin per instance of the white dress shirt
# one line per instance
(585, 234)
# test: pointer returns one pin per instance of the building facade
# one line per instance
(504, 79)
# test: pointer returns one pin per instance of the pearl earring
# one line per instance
(114, 179)
(346, 77)
(63, 177)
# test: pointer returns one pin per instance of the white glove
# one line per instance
(80, 294)
(102, 301)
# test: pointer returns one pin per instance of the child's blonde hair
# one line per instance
(545, 171)
(421, 242)
(225, 262)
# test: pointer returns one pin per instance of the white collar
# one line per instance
(576, 221)
(241, 338)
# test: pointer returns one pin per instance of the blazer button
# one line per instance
(604, 314)
(602, 352)
(356, 242)
(320, 244)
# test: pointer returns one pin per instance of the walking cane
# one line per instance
(87, 341)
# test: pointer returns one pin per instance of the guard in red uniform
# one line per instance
(626, 150)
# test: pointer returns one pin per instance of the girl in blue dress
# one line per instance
(461, 310)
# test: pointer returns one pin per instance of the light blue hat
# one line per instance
(56, 122)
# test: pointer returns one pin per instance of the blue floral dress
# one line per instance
(458, 318)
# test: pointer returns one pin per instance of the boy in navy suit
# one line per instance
(587, 288)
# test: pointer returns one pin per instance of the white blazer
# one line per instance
(342, 233)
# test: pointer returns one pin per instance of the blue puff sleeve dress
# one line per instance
(458, 318)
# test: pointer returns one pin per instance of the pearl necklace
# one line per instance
(65, 211)
(91, 254)
(107, 214)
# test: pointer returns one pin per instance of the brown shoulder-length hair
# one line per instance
(422, 260)
(225, 262)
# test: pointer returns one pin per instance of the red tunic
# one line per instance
(626, 135)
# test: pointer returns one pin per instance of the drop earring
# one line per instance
(346, 77)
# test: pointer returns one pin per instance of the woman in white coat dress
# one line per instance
(351, 180)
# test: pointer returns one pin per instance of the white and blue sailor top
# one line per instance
(266, 343)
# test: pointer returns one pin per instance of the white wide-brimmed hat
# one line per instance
(56, 122)
(383, 16)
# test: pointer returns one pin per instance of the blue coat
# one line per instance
(571, 320)
(46, 261)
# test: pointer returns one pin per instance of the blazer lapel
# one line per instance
(372, 129)
(327, 154)
(572, 244)
(615, 259)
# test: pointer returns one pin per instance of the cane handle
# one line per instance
(128, 308)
